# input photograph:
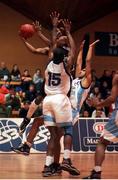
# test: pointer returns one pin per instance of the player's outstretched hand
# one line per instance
(93, 101)
(95, 42)
(67, 24)
(37, 26)
(55, 18)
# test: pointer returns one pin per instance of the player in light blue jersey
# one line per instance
(110, 132)
(81, 84)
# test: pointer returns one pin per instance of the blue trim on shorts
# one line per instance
(49, 118)
(111, 125)
(65, 124)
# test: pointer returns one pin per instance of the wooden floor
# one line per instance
(15, 166)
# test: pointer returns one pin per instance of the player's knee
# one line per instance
(54, 138)
(38, 121)
(59, 132)
(53, 134)
(103, 141)
(68, 130)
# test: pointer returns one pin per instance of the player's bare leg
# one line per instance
(99, 158)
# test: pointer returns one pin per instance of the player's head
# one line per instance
(58, 55)
(60, 32)
(82, 73)
(62, 41)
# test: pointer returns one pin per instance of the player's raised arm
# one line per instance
(67, 25)
(89, 60)
(31, 48)
(38, 29)
(55, 21)
(79, 60)
(88, 77)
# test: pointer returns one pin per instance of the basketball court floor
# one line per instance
(16, 166)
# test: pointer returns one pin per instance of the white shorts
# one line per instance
(57, 110)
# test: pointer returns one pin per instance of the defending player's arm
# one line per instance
(87, 80)
(114, 94)
(33, 107)
(44, 50)
(67, 25)
(38, 28)
(55, 21)
(79, 60)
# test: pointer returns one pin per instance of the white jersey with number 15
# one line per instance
(57, 79)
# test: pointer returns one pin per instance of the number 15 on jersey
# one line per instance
(54, 79)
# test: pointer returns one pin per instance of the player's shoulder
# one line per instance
(115, 79)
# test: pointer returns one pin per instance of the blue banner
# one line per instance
(108, 45)
(86, 133)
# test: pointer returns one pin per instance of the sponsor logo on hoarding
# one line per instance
(98, 127)
(8, 135)
(43, 135)
(41, 140)
(90, 141)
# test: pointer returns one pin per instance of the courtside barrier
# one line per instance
(86, 133)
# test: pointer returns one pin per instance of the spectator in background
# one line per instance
(85, 114)
(4, 72)
(95, 80)
(95, 93)
(104, 90)
(37, 80)
(94, 76)
(26, 80)
(5, 107)
(98, 112)
(106, 77)
(87, 107)
(20, 94)
(23, 111)
(30, 95)
(15, 73)
(15, 102)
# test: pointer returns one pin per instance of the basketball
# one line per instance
(26, 31)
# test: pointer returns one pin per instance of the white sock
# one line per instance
(67, 153)
(97, 168)
(49, 160)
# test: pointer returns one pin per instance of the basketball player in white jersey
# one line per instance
(110, 132)
(35, 124)
(55, 77)
(45, 51)
(56, 105)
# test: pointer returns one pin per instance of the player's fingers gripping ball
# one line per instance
(26, 31)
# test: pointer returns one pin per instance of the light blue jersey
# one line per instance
(77, 96)
(111, 128)
(116, 104)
